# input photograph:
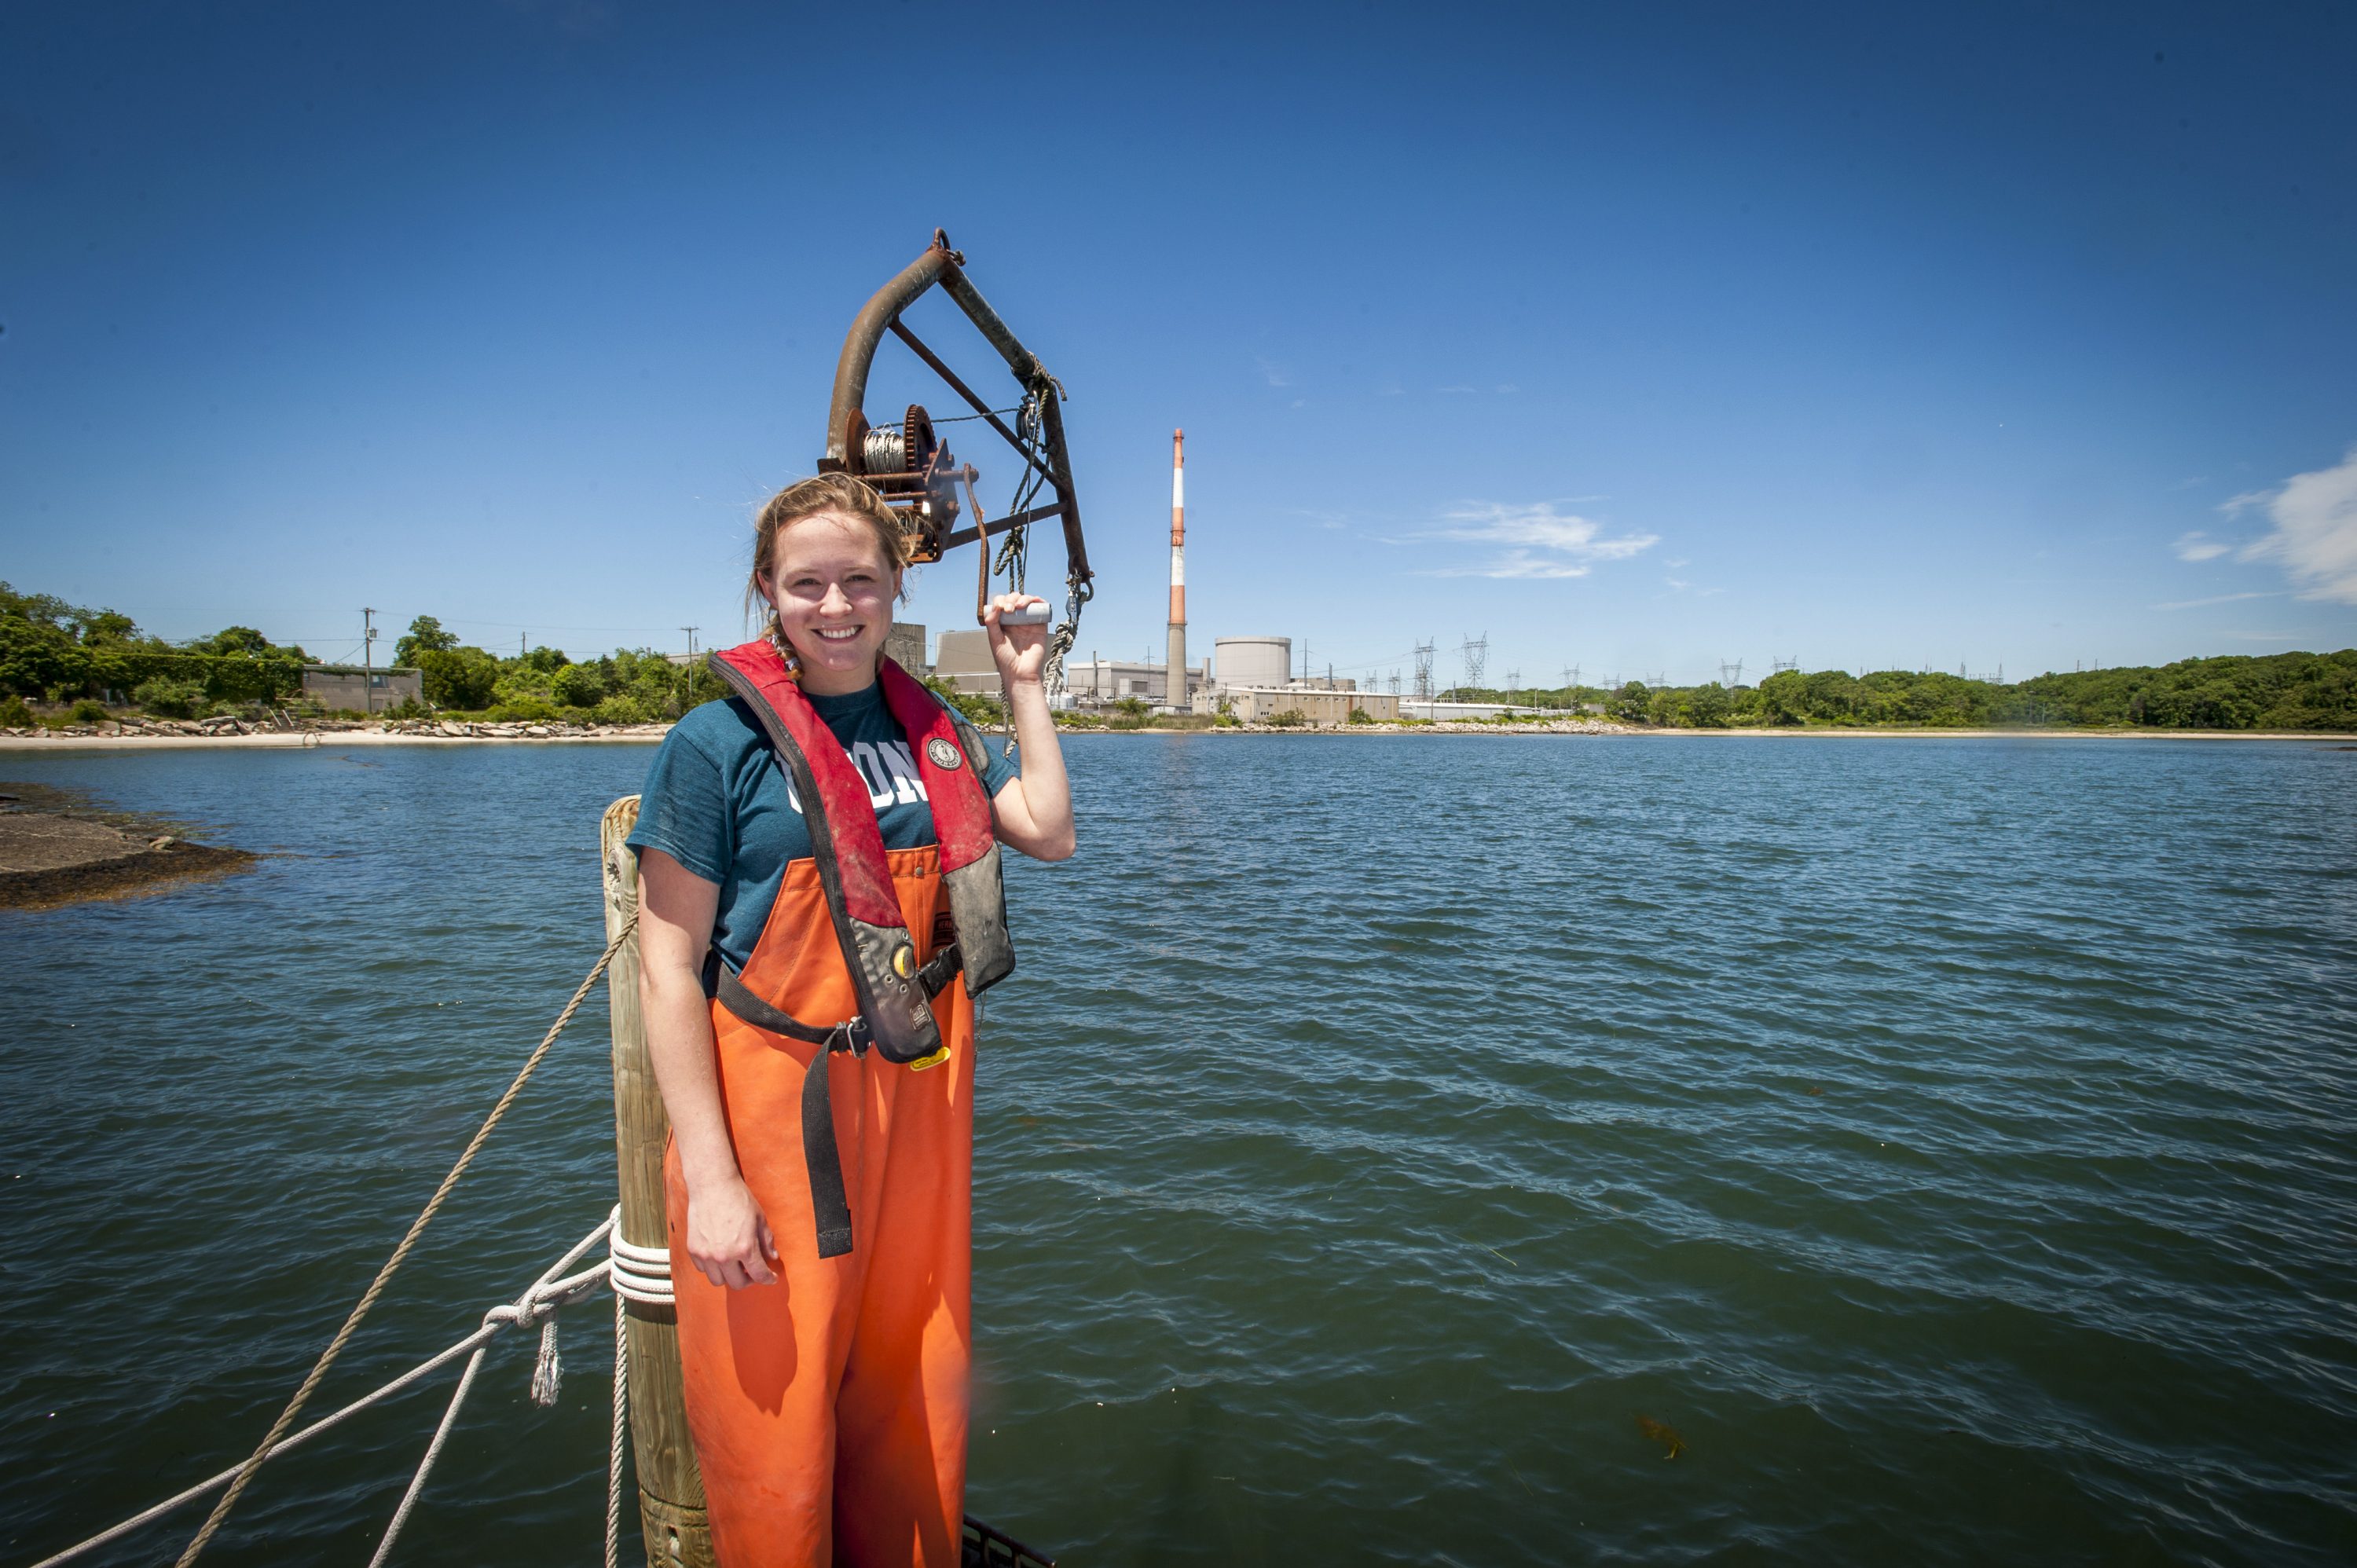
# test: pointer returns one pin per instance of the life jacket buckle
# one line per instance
(855, 1034)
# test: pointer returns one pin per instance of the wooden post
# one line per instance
(670, 1487)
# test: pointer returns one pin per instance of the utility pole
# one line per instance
(690, 631)
(368, 662)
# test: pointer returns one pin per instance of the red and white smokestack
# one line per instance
(1174, 679)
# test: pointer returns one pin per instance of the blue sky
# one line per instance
(1641, 339)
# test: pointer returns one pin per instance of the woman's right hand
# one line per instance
(728, 1236)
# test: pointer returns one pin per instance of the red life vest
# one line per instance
(894, 991)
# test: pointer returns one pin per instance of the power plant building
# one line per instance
(1101, 683)
(1253, 660)
(1322, 705)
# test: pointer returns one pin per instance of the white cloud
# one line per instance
(2198, 547)
(2218, 599)
(1534, 540)
(1274, 373)
(2315, 533)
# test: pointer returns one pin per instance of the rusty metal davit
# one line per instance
(912, 467)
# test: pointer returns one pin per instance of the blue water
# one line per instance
(1951, 1139)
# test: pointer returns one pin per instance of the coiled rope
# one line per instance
(278, 1428)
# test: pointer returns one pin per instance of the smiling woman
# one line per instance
(819, 874)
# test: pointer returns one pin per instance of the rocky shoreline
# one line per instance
(57, 848)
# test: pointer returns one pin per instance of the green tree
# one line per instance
(1631, 704)
(458, 677)
(246, 667)
(234, 639)
(579, 686)
(424, 636)
(1785, 699)
(1708, 707)
(169, 699)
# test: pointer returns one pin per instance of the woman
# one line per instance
(812, 1038)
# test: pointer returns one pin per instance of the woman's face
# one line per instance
(834, 593)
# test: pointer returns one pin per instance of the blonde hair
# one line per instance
(823, 495)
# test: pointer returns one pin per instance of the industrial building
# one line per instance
(1254, 661)
(963, 660)
(353, 688)
(1323, 706)
(1100, 682)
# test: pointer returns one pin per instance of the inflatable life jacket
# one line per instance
(895, 990)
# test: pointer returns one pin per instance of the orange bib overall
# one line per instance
(829, 1409)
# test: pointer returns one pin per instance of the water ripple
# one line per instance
(1951, 1139)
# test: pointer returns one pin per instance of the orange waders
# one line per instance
(829, 1410)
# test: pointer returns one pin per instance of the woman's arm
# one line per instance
(1034, 812)
(728, 1236)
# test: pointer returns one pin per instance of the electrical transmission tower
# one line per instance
(1395, 683)
(1513, 680)
(1477, 655)
(1781, 665)
(1424, 671)
(1730, 675)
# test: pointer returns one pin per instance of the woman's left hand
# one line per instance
(1019, 652)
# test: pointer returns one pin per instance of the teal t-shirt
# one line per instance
(718, 800)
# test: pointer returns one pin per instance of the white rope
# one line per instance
(546, 1296)
(640, 1273)
(621, 1425)
(432, 1452)
(311, 1380)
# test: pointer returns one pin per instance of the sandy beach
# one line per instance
(264, 740)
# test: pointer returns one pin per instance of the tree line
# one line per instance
(2258, 691)
(58, 652)
(624, 687)
(53, 652)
